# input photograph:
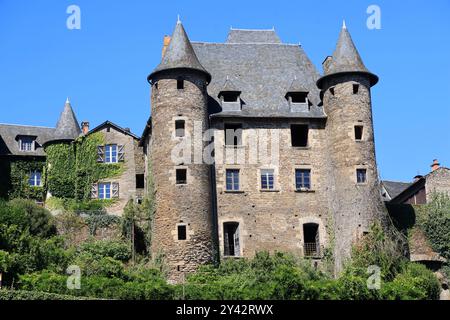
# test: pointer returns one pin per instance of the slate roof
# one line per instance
(262, 68)
(394, 188)
(115, 126)
(346, 59)
(67, 128)
(9, 139)
(179, 54)
(252, 36)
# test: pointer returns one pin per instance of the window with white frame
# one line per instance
(35, 178)
(302, 179)
(26, 144)
(105, 190)
(232, 179)
(267, 179)
(111, 153)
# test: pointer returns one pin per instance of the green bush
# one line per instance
(115, 249)
(28, 216)
(35, 295)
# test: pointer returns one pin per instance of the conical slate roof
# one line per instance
(346, 59)
(179, 54)
(67, 127)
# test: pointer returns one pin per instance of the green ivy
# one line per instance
(73, 168)
(14, 179)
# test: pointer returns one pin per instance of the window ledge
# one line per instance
(227, 146)
(305, 191)
(301, 148)
(269, 190)
(233, 191)
(232, 257)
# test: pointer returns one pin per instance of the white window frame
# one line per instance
(34, 179)
(31, 144)
(267, 173)
(109, 152)
(102, 190)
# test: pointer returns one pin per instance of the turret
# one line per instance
(182, 224)
(355, 200)
(67, 127)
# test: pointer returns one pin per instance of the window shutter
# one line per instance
(94, 191)
(237, 249)
(100, 153)
(120, 153)
(115, 190)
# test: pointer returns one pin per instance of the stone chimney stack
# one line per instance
(85, 127)
(435, 165)
(166, 43)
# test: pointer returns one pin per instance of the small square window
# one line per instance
(181, 176)
(182, 235)
(302, 179)
(179, 128)
(267, 179)
(299, 97)
(232, 179)
(361, 175)
(180, 84)
(26, 144)
(299, 135)
(358, 132)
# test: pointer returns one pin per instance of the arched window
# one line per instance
(311, 240)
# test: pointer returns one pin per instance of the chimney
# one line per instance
(166, 43)
(435, 165)
(127, 130)
(85, 127)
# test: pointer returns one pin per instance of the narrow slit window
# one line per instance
(299, 135)
(233, 134)
(358, 133)
(332, 91)
(181, 176)
(179, 128)
(361, 175)
(355, 88)
(180, 84)
(139, 181)
(182, 235)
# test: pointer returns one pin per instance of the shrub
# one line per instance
(115, 249)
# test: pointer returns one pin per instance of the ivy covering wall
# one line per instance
(14, 176)
(73, 167)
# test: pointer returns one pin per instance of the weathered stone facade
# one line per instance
(133, 164)
(231, 210)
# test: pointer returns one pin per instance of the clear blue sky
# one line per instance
(103, 66)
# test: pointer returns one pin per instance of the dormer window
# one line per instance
(26, 143)
(297, 96)
(230, 96)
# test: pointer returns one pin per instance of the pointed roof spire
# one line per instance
(179, 54)
(67, 127)
(346, 59)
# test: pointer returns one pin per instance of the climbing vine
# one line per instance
(15, 177)
(73, 168)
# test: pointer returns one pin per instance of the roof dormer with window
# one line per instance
(229, 97)
(297, 97)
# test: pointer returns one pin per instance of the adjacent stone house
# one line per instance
(23, 162)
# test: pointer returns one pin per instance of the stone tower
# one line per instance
(354, 195)
(182, 225)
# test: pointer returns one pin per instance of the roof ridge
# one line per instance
(25, 125)
(233, 43)
(242, 29)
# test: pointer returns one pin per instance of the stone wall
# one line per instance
(127, 180)
(180, 204)
(272, 220)
(354, 205)
(437, 181)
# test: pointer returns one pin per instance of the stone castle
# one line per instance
(316, 193)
